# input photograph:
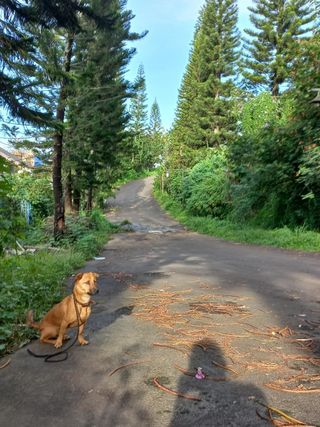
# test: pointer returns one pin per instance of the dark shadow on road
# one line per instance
(286, 283)
(102, 318)
(226, 402)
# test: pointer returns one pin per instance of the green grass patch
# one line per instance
(285, 238)
(38, 281)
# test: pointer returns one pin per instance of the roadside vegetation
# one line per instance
(242, 161)
(285, 238)
(37, 280)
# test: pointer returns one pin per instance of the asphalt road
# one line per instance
(248, 315)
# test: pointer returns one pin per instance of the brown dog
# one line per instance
(63, 315)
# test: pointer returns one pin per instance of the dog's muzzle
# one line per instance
(96, 291)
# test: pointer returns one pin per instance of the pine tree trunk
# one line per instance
(68, 194)
(275, 89)
(59, 214)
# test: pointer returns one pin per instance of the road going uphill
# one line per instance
(172, 301)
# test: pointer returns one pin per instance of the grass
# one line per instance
(38, 281)
(285, 238)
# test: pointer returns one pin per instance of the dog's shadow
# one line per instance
(101, 318)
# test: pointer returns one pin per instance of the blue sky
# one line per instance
(164, 51)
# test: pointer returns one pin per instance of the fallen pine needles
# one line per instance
(267, 366)
(300, 388)
(229, 308)
(293, 421)
(127, 365)
(226, 368)
(175, 393)
(313, 360)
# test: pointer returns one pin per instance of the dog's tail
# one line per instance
(30, 322)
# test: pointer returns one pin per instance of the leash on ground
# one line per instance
(49, 358)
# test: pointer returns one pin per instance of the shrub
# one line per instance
(206, 188)
(37, 190)
(176, 183)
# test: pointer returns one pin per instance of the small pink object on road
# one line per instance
(200, 375)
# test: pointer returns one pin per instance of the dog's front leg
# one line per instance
(81, 339)
(62, 330)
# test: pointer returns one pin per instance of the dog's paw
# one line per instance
(66, 338)
(83, 341)
(58, 344)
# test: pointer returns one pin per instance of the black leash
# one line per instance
(47, 357)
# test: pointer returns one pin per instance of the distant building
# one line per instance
(10, 157)
(20, 160)
(27, 158)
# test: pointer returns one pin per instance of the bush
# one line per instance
(298, 238)
(207, 187)
(12, 224)
(175, 185)
(36, 189)
(264, 111)
(204, 190)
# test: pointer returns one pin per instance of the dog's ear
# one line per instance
(96, 275)
(78, 277)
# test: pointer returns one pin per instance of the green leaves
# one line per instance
(273, 43)
(264, 111)
(96, 137)
(36, 189)
(204, 189)
(205, 113)
(4, 178)
(12, 225)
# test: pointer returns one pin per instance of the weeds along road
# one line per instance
(171, 301)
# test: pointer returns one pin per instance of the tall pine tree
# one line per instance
(139, 121)
(155, 131)
(23, 70)
(19, 61)
(138, 108)
(278, 24)
(155, 125)
(97, 117)
(204, 114)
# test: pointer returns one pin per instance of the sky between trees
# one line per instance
(164, 51)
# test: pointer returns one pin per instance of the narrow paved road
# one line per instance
(171, 301)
